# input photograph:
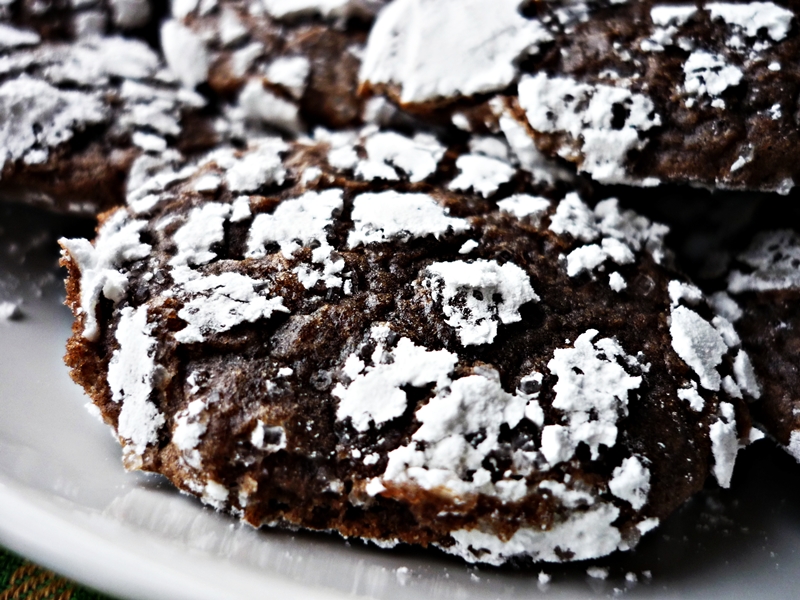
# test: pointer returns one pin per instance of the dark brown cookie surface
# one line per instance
(418, 345)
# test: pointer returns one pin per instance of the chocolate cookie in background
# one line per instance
(632, 92)
(744, 250)
(406, 342)
(75, 116)
(285, 65)
(764, 286)
(65, 20)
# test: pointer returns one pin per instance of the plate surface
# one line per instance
(66, 502)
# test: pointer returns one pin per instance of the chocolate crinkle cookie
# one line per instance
(407, 343)
(283, 65)
(631, 92)
(762, 298)
(60, 20)
(74, 116)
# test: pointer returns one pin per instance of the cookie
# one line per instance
(286, 65)
(631, 92)
(407, 343)
(650, 92)
(63, 20)
(763, 292)
(74, 116)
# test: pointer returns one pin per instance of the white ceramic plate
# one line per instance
(66, 502)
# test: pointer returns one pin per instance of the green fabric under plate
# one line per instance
(22, 580)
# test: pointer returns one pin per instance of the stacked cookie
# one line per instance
(384, 268)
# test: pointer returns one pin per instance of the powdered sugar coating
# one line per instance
(185, 53)
(391, 215)
(554, 104)
(130, 377)
(631, 482)
(592, 391)
(118, 242)
(587, 534)
(376, 395)
(473, 404)
(436, 49)
(724, 444)
(477, 283)
(481, 173)
(217, 303)
(295, 222)
(388, 151)
(202, 229)
(698, 344)
(752, 16)
(39, 116)
(774, 258)
(622, 234)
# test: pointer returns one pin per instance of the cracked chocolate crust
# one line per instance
(453, 374)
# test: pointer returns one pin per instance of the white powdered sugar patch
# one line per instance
(117, 243)
(724, 444)
(446, 48)
(708, 74)
(482, 174)
(295, 223)
(468, 292)
(389, 153)
(569, 498)
(592, 392)
(585, 534)
(285, 9)
(215, 494)
(131, 372)
(290, 72)
(631, 482)
(440, 456)
(190, 425)
(586, 113)
(217, 303)
(525, 205)
(390, 215)
(774, 258)
(680, 291)
(35, 116)
(745, 375)
(749, 18)
(203, 228)
(667, 19)
(11, 37)
(574, 217)
(374, 394)
(185, 53)
(726, 306)
(260, 165)
(621, 233)
(617, 282)
(257, 103)
(699, 344)
(692, 396)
